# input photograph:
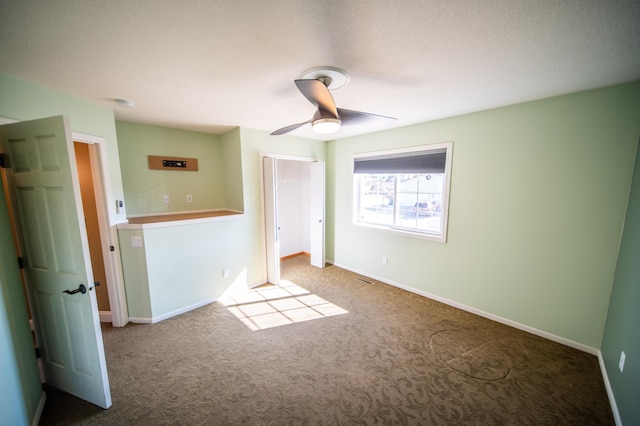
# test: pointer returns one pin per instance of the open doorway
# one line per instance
(294, 211)
(86, 172)
(110, 293)
(90, 208)
(293, 186)
(113, 285)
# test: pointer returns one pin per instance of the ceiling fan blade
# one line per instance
(288, 129)
(318, 94)
(350, 117)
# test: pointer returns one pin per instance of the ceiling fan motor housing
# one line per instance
(315, 85)
(332, 77)
(322, 113)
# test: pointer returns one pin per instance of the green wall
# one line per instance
(20, 388)
(253, 143)
(22, 100)
(144, 188)
(181, 265)
(193, 275)
(136, 276)
(622, 332)
(232, 157)
(538, 198)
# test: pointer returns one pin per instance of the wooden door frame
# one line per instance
(108, 232)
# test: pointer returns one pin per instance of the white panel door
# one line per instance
(272, 248)
(316, 211)
(45, 193)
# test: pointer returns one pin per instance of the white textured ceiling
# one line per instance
(211, 65)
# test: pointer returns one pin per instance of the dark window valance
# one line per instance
(432, 161)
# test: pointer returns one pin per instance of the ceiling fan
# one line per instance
(315, 84)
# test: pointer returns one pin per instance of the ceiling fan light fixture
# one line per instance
(315, 85)
(324, 126)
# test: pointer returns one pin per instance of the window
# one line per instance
(405, 191)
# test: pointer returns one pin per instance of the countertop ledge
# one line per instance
(178, 219)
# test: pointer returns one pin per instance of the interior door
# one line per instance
(270, 179)
(45, 193)
(316, 211)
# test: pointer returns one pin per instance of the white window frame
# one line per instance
(442, 238)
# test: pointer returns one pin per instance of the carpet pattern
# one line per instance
(393, 358)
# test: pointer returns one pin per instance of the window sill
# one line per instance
(403, 232)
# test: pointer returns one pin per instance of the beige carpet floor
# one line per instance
(329, 348)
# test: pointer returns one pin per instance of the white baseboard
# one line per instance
(5, 120)
(140, 320)
(511, 323)
(153, 320)
(254, 284)
(528, 329)
(105, 316)
(39, 409)
(607, 385)
(182, 310)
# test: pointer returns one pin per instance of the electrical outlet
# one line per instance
(622, 358)
(385, 260)
(165, 199)
(136, 241)
(225, 273)
(189, 198)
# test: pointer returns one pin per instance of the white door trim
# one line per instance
(5, 120)
(271, 228)
(108, 233)
(317, 213)
(261, 156)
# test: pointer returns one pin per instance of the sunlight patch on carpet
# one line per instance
(271, 306)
